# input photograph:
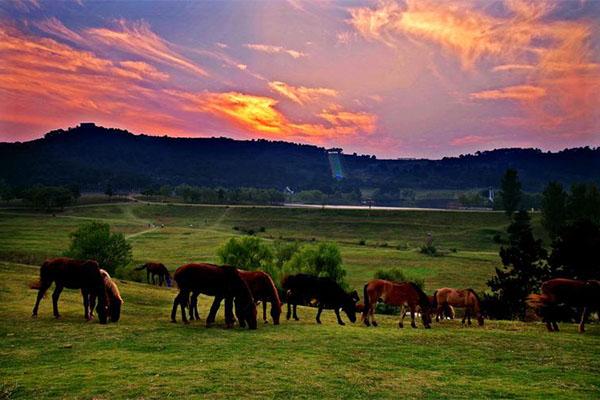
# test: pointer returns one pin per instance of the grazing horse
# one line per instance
(570, 292)
(212, 280)
(263, 289)
(328, 294)
(395, 294)
(156, 269)
(114, 301)
(445, 298)
(72, 274)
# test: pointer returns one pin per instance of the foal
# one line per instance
(156, 269)
(72, 274)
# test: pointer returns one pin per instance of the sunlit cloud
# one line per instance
(301, 94)
(270, 49)
(469, 140)
(521, 92)
(137, 38)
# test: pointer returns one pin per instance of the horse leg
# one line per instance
(174, 309)
(337, 314)
(183, 302)
(319, 314)
(92, 304)
(196, 314)
(41, 291)
(469, 311)
(584, 316)
(55, 295)
(289, 311)
(147, 275)
(412, 316)
(210, 319)
(401, 323)
(87, 313)
(464, 316)
(229, 319)
(555, 326)
(265, 312)
(296, 315)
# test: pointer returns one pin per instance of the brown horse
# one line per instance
(156, 269)
(445, 298)
(263, 289)
(114, 301)
(395, 294)
(584, 295)
(72, 274)
(224, 282)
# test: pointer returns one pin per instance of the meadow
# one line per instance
(146, 356)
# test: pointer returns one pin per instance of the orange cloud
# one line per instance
(301, 94)
(559, 74)
(137, 38)
(258, 114)
(265, 48)
(521, 92)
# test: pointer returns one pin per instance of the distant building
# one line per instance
(491, 195)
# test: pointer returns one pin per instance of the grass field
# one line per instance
(145, 356)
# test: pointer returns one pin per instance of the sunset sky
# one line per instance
(395, 79)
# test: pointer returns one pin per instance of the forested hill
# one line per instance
(92, 156)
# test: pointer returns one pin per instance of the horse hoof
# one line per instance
(374, 324)
(173, 321)
(266, 322)
(296, 319)
(341, 323)
(367, 323)
(33, 315)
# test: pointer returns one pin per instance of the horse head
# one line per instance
(349, 306)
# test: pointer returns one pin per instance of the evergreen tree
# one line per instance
(554, 208)
(510, 194)
(576, 252)
(524, 268)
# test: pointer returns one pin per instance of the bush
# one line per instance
(362, 242)
(429, 250)
(94, 241)
(324, 259)
(248, 252)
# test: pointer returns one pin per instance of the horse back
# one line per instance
(71, 273)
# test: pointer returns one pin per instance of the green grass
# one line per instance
(145, 356)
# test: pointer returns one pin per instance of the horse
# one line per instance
(156, 269)
(395, 294)
(462, 298)
(263, 289)
(114, 301)
(72, 274)
(327, 294)
(222, 282)
(570, 292)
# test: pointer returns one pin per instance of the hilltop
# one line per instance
(92, 156)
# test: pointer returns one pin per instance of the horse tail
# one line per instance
(141, 267)
(37, 284)
(434, 302)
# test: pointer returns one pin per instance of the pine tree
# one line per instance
(554, 208)
(511, 194)
(524, 268)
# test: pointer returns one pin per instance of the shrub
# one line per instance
(362, 242)
(94, 241)
(429, 250)
(324, 259)
(248, 252)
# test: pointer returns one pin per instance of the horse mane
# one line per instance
(423, 299)
(273, 287)
(111, 287)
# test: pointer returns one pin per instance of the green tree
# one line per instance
(523, 268)
(576, 251)
(94, 241)
(510, 191)
(554, 208)
(322, 260)
(6, 192)
(247, 252)
(283, 252)
(584, 203)
(109, 190)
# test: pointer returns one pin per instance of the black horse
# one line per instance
(328, 294)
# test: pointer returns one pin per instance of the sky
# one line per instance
(391, 78)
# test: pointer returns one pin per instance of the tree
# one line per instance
(247, 252)
(554, 208)
(523, 268)
(6, 192)
(94, 241)
(510, 191)
(109, 190)
(322, 260)
(584, 203)
(283, 252)
(576, 251)
(48, 198)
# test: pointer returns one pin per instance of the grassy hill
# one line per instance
(145, 356)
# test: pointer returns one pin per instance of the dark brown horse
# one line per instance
(263, 289)
(72, 274)
(397, 294)
(114, 301)
(156, 269)
(584, 295)
(223, 282)
(462, 298)
(324, 292)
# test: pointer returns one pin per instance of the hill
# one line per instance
(91, 156)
